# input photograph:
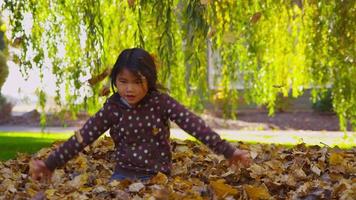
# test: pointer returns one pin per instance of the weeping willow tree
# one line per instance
(273, 46)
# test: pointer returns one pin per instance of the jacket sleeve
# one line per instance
(92, 129)
(196, 127)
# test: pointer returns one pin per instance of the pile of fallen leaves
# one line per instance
(277, 173)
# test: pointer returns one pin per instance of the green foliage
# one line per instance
(42, 103)
(324, 102)
(277, 47)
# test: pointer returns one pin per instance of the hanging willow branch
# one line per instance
(272, 48)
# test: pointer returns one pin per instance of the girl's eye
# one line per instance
(138, 82)
(122, 81)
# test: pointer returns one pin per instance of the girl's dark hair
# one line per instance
(139, 62)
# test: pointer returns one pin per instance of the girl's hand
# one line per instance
(39, 170)
(240, 157)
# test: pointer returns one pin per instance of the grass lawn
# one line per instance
(13, 142)
(30, 142)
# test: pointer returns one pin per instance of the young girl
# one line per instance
(138, 117)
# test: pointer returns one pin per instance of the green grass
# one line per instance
(13, 142)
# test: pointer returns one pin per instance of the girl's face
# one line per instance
(131, 87)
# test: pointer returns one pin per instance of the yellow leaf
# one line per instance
(31, 192)
(336, 158)
(160, 179)
(50, 192)
(221, 189)
(3, 28)
(257, 192)
(81, 163)
(182, 184)
(86, 189)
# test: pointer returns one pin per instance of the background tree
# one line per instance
(4, 70)
(275, 47)
(5, 107)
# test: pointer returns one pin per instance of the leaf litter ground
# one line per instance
(277, 172)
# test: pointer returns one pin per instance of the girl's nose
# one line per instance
(129, 87)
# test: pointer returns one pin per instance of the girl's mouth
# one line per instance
(130, 97)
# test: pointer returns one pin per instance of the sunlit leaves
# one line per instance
(294, 45)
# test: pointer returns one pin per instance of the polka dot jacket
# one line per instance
(140, 133)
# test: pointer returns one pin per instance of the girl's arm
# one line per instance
(196, 127)
(91, 130)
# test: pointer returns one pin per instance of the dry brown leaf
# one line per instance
(160, 179)
(78, 136)
(255, 17)
(315, 169)
(221, 189)
(257, 171)
(182, 184)
(97, 78)
(336, 158)
(300, 174)
(50, 193)
(104, 91)
(257, 192)
(287, 172)
(136, 187)
(253, 154)
(161, 194)
(122, 195)
(276, 166)
(131, 3)
(79, 181)
(99, 189)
